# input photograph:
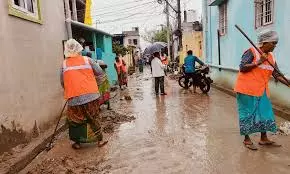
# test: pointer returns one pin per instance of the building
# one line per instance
(223, 51)
(132, 40)
(119, 39)
(31, 51)
(192, 38)
(32, 37)
(97, 41)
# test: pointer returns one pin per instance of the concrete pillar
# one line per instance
(74, 9)
(68, 18)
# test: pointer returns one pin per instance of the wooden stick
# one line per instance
(260, 51)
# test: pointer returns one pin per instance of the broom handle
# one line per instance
(260, 51)
(53, 135)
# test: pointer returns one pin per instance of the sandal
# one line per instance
(250, 146)
(76, 146)
(269, 143)
(102, 144)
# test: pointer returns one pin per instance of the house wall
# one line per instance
(31, 55)
(126, 41)
(192, 40)
(233, 44)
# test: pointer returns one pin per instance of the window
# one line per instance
(135, 41)
(223, 18)
(26, 9)
(130, 41)
(264, 12)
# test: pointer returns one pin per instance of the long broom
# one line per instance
(260, 51)
(53, 135)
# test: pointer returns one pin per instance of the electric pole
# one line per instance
(168, 29)
(179, 24)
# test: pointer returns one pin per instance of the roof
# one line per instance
(217, 2)
(118, 35)
(87, 27)
(131, 33)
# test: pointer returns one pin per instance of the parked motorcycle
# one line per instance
(203, 81)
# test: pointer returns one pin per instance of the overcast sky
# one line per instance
(115, 16)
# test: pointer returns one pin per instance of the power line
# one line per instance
(123, 12)
(119, 4)
(126, 18)
(124, 8)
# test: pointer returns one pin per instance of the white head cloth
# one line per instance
(72, 48)
(269, 36)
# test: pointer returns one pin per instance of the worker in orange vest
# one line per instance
(121, 69)
(164, 61)
(78, 77)
(254, 107)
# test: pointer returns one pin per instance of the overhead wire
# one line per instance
(114, 10)
(131, 15)
(124, 11)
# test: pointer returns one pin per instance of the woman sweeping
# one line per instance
(254, 107)
(121, 69)
(81, 90)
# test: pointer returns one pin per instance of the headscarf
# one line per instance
(72, 48)
(269, 36)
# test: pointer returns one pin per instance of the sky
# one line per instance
(115, 16)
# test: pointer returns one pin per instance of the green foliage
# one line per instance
(119, 49)
(156, 36)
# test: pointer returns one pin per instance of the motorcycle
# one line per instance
(203, 81)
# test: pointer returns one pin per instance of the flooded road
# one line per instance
(182, 132)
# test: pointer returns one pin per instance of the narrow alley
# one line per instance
(180, 133)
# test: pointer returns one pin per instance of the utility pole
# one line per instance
(74, 8)
(168, 29)
(68, 18)
(179, 24)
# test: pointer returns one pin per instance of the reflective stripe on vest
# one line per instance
(255, 81)
(85, 66)
(263, 66)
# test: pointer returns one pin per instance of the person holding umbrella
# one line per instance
(254, 107)
(158, 73)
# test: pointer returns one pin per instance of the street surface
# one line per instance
(179, 133)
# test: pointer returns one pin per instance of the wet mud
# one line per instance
(182, 132)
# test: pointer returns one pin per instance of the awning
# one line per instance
(87, 27)
(217, 2)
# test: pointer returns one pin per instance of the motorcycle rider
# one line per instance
(189, 68)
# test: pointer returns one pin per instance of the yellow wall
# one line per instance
(191, 41)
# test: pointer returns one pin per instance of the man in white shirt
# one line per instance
(158, 73)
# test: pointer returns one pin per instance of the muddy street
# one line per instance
(182, 132)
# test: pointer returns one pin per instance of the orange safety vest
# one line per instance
(79, 78)
(164, 60)
(255, 82)
(120, 66)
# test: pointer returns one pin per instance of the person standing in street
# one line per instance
(254, 107)
(158, 73)
(104, 86)
(121, 70)
(189, 68)
(141, 65)
(164, 61)
(78, 78)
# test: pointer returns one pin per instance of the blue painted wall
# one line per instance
(105, 43)
(109, 57)
(233, 44)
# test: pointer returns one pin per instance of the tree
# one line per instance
(156, 36)
(119, 49)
